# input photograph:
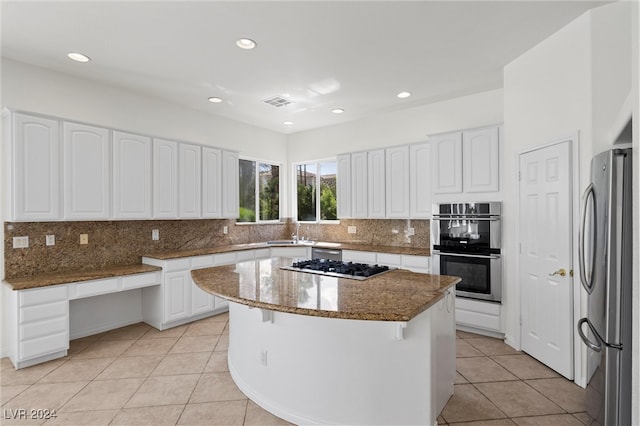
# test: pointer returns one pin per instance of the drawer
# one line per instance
(41, 312)
(202, 261)
(359, 256)
(389, 259)
(225, 258)
(44, 345)
(477, 320)
(44, 328)
(140, 280)
(94, 288)
(39, 296)
(471, 305)
(299, 252)
(245, 255)
(177, 264)
(262, 253)
(421, 262)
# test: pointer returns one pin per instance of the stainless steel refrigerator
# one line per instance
(605, 254)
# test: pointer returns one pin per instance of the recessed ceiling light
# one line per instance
(403, 95)
(215, 100)
(78, 57)
(337, 111)
(288, 123)
(246, 43)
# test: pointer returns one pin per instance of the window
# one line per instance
(259, 191)
(316, 191)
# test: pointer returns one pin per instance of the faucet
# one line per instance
(296, 237)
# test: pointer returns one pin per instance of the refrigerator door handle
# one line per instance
(586, 283)
(593, 346)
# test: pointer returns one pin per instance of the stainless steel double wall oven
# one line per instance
(466, 243)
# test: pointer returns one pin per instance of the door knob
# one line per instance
(562, 272)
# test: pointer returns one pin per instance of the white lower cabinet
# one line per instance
(419, 264)
(479, 316)
(179, 300)
(36, 321)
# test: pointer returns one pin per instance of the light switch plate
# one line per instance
(20, 242)
(155, 234)
(351, 229)
(50, 240)
(84, 238)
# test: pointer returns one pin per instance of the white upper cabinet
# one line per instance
(481, 160)
(34, 168)
(230, 184)
(397, 184)
(446, 164)
(377, 184)
(359, 180)
(131, 176)
(211, 182)
(87, 171)
(190, 180)
(420, 180)
(343, 189)
(165, 179)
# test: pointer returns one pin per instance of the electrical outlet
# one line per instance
(394, 231)
(411, 231)
(155, 234)
(84, 238)
(50, 240)
(263, 357)
(351, 229)
(20, 242)
(225, 230)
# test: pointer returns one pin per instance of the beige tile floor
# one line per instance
(137, 375)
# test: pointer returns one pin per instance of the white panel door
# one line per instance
(177, 295)
(546, 295)
(359, 184)
(230, 185)
(420, 181)
(36, 169)
(87, 172)
(201, 301)
(190, 181)
(131, 176)
(165, 179)
(480, 155)
(343, 186)
(211, 182)
(397, 183)
(446, 163)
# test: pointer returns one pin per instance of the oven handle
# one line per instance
(492, 219)
(479, 256)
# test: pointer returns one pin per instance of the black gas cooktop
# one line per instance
(338, 268)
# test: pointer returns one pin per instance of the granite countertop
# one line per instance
(398, 295)
(76, 276)
(176, 254)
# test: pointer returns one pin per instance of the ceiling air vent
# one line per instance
(277, 101)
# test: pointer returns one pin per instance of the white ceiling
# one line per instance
(320, 55)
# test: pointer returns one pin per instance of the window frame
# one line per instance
(257, 163)
(294, 190)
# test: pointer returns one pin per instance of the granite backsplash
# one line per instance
(114, 243)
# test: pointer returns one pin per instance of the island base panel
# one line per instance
(314, 370)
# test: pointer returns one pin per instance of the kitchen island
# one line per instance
(314, 349)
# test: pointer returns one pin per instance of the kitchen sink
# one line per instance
(292, 242)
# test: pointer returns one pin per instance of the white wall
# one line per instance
(576, 80)
(547, 97)
(35, 89)
(398, 127)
